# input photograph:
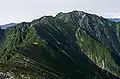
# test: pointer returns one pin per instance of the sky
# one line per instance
(16, 11)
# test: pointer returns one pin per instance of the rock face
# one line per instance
(73, 45)
(6, 75)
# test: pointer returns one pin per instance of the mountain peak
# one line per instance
(70, 45)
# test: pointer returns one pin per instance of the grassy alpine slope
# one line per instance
(71, 45)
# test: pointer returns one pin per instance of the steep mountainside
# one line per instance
(73, 45)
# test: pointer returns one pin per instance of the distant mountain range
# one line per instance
(8, 25)
(114, 19)
(74, 45)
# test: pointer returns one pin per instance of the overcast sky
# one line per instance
(27, 10)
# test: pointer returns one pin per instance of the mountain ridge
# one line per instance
(71, 36)
(7, 25)
(114, 19)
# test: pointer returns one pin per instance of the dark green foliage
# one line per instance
(97, 52)
(51, 48)
(118, 30)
